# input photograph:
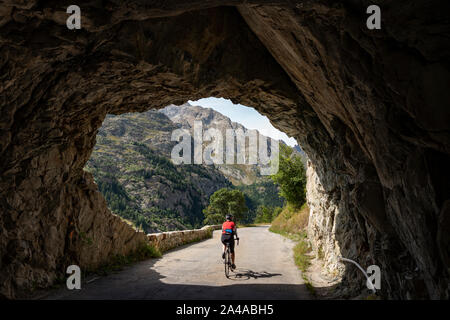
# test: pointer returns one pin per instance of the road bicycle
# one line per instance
(227, 261)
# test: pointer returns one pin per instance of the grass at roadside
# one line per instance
(249, 225)
(291, 220)
(291, 223)
(301, 249)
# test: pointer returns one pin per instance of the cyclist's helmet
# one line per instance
(229, 217)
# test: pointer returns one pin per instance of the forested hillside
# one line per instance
(131, 165)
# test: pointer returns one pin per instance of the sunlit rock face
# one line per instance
(369, 107)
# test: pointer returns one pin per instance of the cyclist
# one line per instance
(228, 233)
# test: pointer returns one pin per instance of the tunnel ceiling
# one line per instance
(370, 108)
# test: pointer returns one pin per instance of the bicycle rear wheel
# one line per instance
(227, 263)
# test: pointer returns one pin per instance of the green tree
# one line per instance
(276, 212)
(223, 202)
(266, 214)
(291, 177)
(263, 214)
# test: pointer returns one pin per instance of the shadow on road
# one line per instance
(142, 282)
(240, 274)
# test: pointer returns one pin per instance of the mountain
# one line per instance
(131, 165)
(186, 114)
(298, 149)
(258, 189)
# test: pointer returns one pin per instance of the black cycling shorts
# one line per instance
(228, 238)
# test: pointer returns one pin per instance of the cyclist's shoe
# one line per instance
(223, 255)
(233, 266)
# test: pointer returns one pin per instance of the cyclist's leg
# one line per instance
(233, 256)
(224, 247)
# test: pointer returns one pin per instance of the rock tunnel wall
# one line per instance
(370, 108)
(374, 94)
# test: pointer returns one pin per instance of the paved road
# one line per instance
(265, 270)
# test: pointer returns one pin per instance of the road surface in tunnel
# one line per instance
(265, 270)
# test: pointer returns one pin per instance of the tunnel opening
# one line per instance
(373, 196)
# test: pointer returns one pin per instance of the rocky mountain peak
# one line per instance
(186, 114)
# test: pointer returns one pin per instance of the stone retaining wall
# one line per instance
(168, 240)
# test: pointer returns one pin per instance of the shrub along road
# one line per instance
(265, 270)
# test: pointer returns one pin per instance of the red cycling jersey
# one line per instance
(228, 227)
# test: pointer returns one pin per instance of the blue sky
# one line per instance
(247, 116)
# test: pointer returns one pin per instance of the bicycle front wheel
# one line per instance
(227, 264)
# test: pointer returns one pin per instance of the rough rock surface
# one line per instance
(186, 115)
(333, 233)
(369, 107)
